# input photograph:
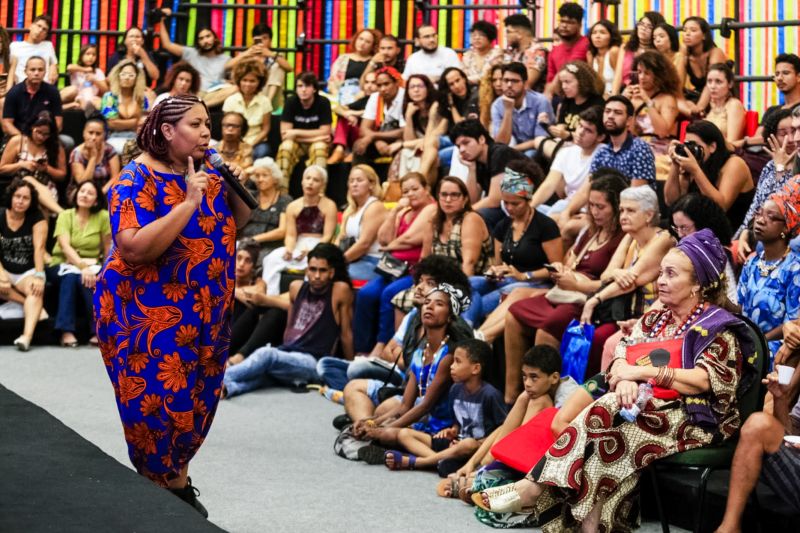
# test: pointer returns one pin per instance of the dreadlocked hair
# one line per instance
(169, 111)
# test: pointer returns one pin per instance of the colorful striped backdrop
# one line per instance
(338, 19)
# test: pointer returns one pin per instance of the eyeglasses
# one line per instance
(684, 229)
(770, 217)
(450, 195)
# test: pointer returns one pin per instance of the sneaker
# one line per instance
(372, 454)
(189, 494)
(478, 334)
(342, 421)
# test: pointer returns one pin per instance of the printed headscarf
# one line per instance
(707, 256)
(459, 302)
(517, 184)
(788, 202)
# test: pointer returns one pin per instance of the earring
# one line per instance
(783, 235)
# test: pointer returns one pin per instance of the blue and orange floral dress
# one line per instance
(164, 327)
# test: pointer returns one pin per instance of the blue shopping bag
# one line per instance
(575, 346)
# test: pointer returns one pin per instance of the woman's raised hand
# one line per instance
(196, 184)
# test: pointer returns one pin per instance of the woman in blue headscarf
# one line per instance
(693, 353)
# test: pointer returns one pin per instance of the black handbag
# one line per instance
(391, 267)
(613, 310)
(346, 242)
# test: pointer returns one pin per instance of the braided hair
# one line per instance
(169, 111)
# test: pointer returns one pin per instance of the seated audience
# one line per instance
(431, 59)
(207, 58)
(546, 317)
(22, 251)
(704, 164)
(232, 147)
(524, 242)
(86, 81)
(769, 285)
(482, 53)
(132, 49)
(251, 77)
(654, 100)
(400, 236)
(347, 123)
(486, 161)
(30, 97)
(604, 48)
(490, 89)
(83, 240)
(570, 166)
(517, 116)
(36, 44)
(94, 160)
(425, 402)
(305, 126)
(579, 89)
(724, 110)
(181, 79)
(764, 455)
(477, 409)
(701, 53)
(572, 45)
(779, 171)
(310, 220)
(258, 319)
(522, 47)
(696, 403)
(277, 66)
(667, 43)
(37, 157)
(361, 220)
(382, 122)
(787, 81)
(319, 320)
(458, 100)
(126, 104)
(420, 111)
(640, 41)
(267, 224)
(344, 80)
(389, 54)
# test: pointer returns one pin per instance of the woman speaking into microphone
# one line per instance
(164, 296)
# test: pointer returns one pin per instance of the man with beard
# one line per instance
(624, 151)
(787, 79)
(388, 55)
(431, 59)
(574, 46)
(523, 48)
(515, 114)
(319, 320)
(207, 57)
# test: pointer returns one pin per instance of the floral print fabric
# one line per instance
(164, 327)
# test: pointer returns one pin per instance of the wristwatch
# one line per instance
(528, 276)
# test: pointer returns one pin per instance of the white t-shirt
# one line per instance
(211, 68)
(23, 50)
(431, 65)
(394, 112)
(574, 166)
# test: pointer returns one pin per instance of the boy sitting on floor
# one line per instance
(477, 407)
(543, 388)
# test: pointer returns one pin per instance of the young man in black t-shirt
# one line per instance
(486, 161)
(305, 126)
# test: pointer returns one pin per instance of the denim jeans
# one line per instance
(270, 365)
(446, 149)
(364, 268)
(486, 296)
(336, 373)
(260, 150)
(70, 289)
(376, 296)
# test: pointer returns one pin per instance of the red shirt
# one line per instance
(564, 53)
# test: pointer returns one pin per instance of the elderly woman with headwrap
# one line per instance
(524, 242)
(425, 406)
(589, 475)
(769, 286)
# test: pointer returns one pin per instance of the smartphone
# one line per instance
(550, 268)
(634, 78)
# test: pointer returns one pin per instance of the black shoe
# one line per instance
(372, 454)
(342, 421)
(189, 494)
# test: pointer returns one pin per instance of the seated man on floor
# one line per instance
(305, 126)
(382, 122)
(319, 318)
(764, 454)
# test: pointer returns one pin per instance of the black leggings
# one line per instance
(255, 327)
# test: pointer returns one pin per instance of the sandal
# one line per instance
(502, 499)
(397, 457)
(451, 487)
(372, 454)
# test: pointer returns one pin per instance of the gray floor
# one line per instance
(267, 464)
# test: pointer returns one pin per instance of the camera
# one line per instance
(155, 16)
(692, 147)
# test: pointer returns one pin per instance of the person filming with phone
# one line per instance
(704, 164)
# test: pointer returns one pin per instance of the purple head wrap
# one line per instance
(706, 254)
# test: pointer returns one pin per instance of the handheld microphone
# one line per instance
(219, 165)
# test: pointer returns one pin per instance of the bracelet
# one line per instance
(599, 300)
(39, 274)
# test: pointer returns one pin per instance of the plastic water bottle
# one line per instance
(645, 393)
